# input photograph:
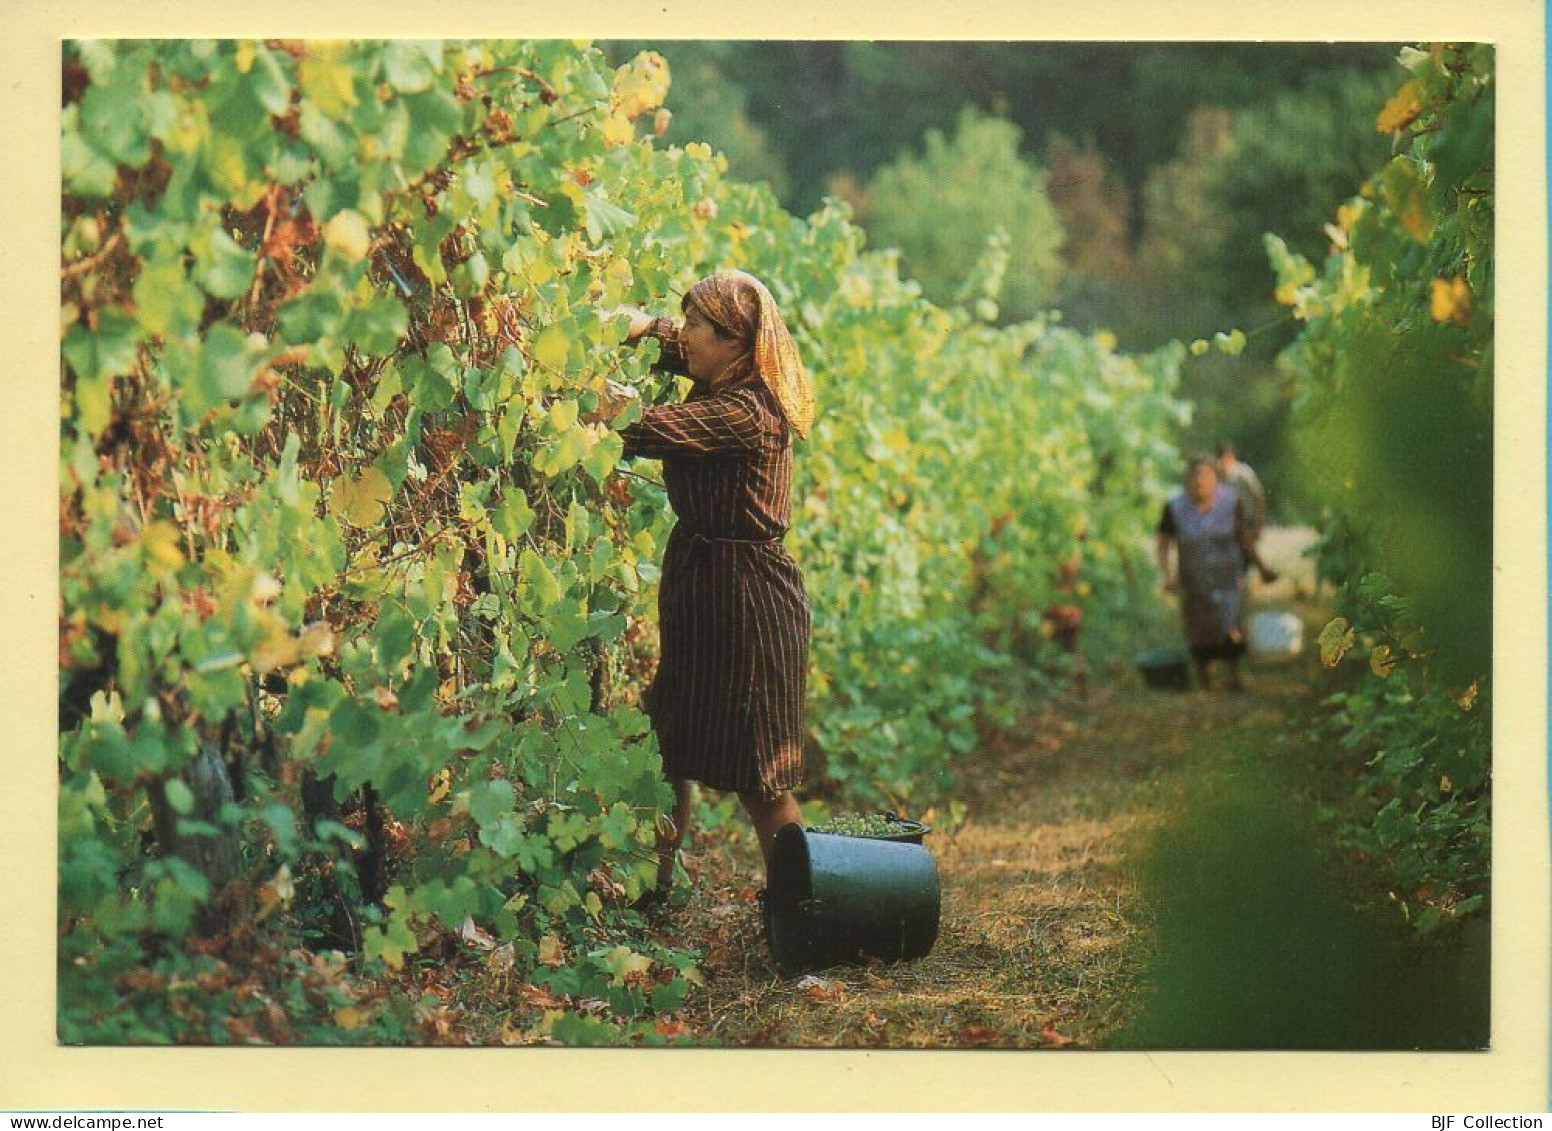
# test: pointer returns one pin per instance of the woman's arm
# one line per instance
(1161, 552)
(730, 425)
(1244, 532)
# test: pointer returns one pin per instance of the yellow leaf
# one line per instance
(539, 270)
(326, 80)
(361, 501)
(347, 233)
(1451, 301)
(441, 785)
(1445, 784)
(1468, 697)
(618, 130)
(160, 544)
(1335, 640)
(278, 649)
(641, 84)
(617, 280)
(245, 56)
(1402, 109)
(551, 348)
(265, 588)
(107, 708)
(563, 414)
(349, 1017)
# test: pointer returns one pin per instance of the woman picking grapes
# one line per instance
(733, 617)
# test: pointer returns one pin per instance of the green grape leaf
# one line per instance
(179, 796)
(114, 120)
(222, 266)
(490, 801)
(410, 65)
(435, 116)
(543, 590)
(513, 516)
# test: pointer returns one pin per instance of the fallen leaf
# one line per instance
(551, 952)
(1054, 1039)
(474, 936)
(822, 989)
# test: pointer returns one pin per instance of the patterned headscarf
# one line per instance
(742, 306)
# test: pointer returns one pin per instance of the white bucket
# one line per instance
(1276, 635)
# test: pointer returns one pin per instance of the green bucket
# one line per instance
(1168, 669)
(832, 899)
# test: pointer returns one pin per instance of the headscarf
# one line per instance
(742, 306)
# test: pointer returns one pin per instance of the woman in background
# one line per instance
(1207, 523)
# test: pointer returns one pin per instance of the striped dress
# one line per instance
(733, 617)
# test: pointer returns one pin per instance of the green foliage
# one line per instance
(334, 504)
(1272, 167)
(831, 106)
(1399, 328)
(939, 207)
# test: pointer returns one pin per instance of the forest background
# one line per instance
(1136, 180)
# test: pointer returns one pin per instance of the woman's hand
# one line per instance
(640, 321)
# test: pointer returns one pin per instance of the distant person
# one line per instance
(1234, 472)
(1208, 523)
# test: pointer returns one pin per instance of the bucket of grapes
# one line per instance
(876, 826)
(853, 888)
